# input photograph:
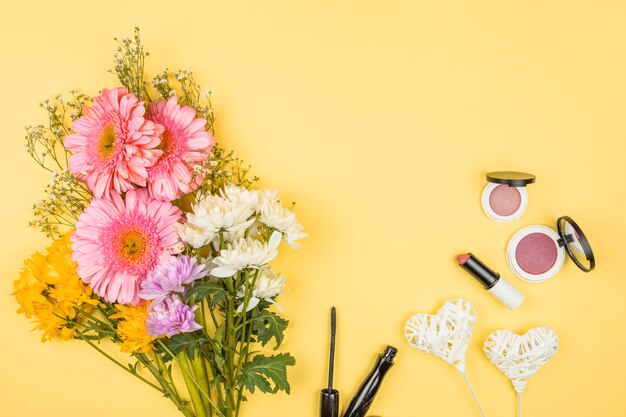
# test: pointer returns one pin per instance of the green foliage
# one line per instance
(204, 289)
(97, 330)
(264, 371)
(268, 325)
(187, 342)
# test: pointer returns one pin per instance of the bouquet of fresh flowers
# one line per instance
(160, 243)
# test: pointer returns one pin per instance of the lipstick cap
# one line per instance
(506, 294)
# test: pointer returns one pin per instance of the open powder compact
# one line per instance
(504, 199)
(536, 253)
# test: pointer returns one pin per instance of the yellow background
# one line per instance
(380, 119)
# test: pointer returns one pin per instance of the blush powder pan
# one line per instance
(537, 253)
(504, 199)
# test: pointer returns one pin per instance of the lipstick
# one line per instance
(491, 281)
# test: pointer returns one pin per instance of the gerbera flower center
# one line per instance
(167, 144)
(132, 245)
(107, 141)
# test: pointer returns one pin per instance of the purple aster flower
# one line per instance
(169, 316)
(170, 277)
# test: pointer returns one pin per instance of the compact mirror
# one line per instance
(536, 253)
(576, 244)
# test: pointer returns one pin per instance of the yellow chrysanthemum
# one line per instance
(132, 328)
(49, 290)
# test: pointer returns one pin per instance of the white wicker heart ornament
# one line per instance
(445, 334)
(520, 357)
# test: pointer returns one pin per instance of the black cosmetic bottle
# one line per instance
(367, 391)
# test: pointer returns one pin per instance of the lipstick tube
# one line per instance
(491, 281)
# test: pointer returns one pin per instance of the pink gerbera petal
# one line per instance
(113, 143)
(185, 143)
(118, 241)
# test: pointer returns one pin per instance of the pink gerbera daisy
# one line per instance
(117, 242)
(113, 144)
(185, 142)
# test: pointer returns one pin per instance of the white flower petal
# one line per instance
(252, 302)
(223, 272)
(275, 240)
(278, 306)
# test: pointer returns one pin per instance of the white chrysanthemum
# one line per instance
(267, 286)
(276, 216)
(231, 237)
(194, 236)
(215, 213)
(267, 198)
(241, 196)
(245, 253)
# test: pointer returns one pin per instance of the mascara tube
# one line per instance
(365, 395)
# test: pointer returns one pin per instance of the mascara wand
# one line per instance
(333, 333)
(330, 396)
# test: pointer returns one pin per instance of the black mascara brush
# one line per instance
(330, 396)
(333, 333)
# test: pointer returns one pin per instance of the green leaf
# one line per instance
(203, 289)
(187, 342)
(263, 371)
(268, 325)
(216, 381)
(219, 334)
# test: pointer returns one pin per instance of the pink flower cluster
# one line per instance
(117, 147)
(136, 161)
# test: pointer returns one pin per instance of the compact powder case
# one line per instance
(504, 199)
(536, 253)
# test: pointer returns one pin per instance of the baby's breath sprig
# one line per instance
(161, 83)
(191, 94)
(66, 197)
(58, 212)
(44, 143)
(223, 168)
(130, 64)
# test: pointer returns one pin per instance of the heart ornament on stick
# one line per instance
(445, 334)
(520, 357)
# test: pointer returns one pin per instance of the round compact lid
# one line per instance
(576, 244)
(511, 178)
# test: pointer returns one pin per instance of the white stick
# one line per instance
(473, 395)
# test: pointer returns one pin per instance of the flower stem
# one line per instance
(166, 373)
(170, 388)
(181, 359)
(196, 400)
(200, 372)
(115, 361)
(232, 347)
(246, 335)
